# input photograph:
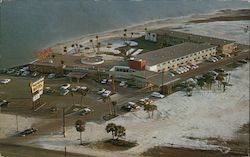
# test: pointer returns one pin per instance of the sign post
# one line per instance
(36, 91)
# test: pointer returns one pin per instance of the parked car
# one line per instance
(25, 73)
(219, 57)
(53, 109)
(101, 91)
(18, 73)
(157, 95)
(34, 74)
(3, 103)
(85, 111)
(214, 58)
(65, 86)
(104, 81)
(75, 89)
(211, 60)
(122, 83)
(106, 93)
(10, 71)
(5, 81)
(51, 76)
(171, 74)
(83, 88)
(28, 132)
(48, 90)
(64, 92)
(145, 101)
(131, 106)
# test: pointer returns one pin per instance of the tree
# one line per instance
(150, 108)
(80, 127)
(107, 101)
(219, 78)
(120, 131)
(117, 131)
(72, 95)
(201, 82)
(132, 33)
(91, 41)
(83, 93)
(111, 127)
(209, 80)
(224, 85)
(189, 91)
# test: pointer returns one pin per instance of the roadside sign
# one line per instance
(37, 85)
(36, 97)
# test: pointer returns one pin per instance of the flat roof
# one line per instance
(145, 74)
(172, 52)
(194, 37)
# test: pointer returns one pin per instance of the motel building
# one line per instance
(175, 56)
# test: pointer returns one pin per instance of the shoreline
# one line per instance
(171, 22)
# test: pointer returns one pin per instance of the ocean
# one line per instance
(27, 26)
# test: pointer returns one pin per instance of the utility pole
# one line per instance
(65, 151)
(16, 122)
(162, 80)
(63, 122)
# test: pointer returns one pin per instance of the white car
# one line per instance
(106, 93)
(216, 59)
(75, 89)
(65, 86)
(5, 81)
(83, 88)
(85, 111)
(101, 91)
(64, 92)
(104, 81)
(157, 95)
(122, 83)
(131, 103)
(179, 71)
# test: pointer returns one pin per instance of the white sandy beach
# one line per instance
(205, 114)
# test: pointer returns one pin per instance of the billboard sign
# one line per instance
(37, 89)
(37, 85)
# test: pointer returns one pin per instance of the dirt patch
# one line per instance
(113, 145)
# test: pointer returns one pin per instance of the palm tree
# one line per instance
(150, 108)
(72, 95)
(132, 33)
(83, 93)
(97, 37)
(153, 108)
(146, 29)
(62, 63)
(111, 127)
(107, 101)
(189, 91)
(80, 127)
(91, 41)
(209, 80)
(114, 103)
(219, 79)
(224, 85)
(120, 131)
(147, 109)
(200, 82)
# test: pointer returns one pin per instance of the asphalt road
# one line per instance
(9, 150)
